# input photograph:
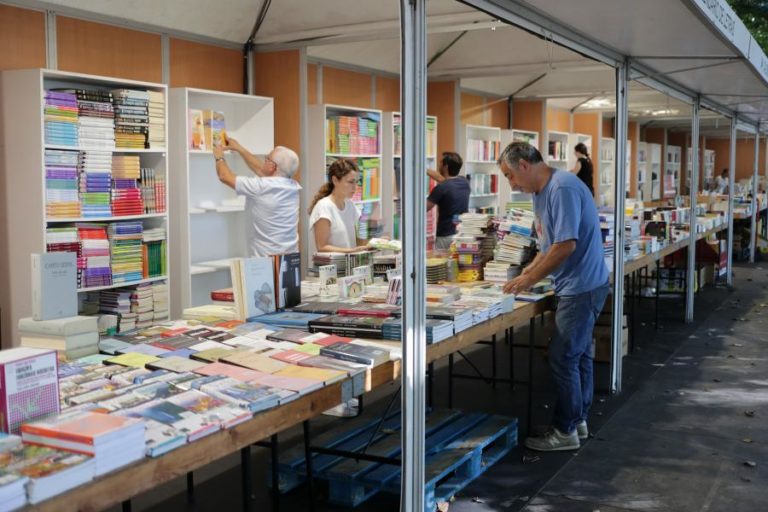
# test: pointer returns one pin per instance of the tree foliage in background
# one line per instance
(754, 14)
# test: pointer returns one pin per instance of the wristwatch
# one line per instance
(219, 158)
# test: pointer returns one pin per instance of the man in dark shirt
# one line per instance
(451, 195)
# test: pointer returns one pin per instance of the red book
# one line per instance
(224, 295)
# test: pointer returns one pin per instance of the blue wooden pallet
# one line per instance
(459, 448)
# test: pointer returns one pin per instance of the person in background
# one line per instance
(721, 182)
(568, 228)
(584, 168)
(271, 190)
(333, 217)
(450, 195)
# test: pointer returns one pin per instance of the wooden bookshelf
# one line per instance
(391, 177)
(24, 140)
(481, 146)
(205, 228)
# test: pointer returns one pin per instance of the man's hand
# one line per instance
(218, 152)
(233, 145)
(519, 284)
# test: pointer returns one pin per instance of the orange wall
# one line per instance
(633, 133)
(205, 67)
(311, 84)
(528, 115)
(347, 88)
(440, 103)
(282, 84)
(22, 38)
(98, 49)
(588, 123)
(558, 120)
(745, 156)
(499, 110)
(608, 127)
(387, 94)
(472, 109)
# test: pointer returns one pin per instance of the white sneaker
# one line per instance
(347, 409)
(554, 441)
(582, 431)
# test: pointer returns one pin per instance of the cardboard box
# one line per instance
(602, 343)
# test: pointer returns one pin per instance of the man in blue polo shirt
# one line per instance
(568, 229)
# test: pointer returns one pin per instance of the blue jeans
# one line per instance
(570, 356)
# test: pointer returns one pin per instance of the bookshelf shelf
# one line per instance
(112, 150)
(573, 140)
(672, 171)
(330, 127)
(37, 140)
(607, 170)
(201, 232)
(481, 146)
(557, 147)
(104, 219)
(121, 285)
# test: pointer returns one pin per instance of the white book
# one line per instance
(54, 285)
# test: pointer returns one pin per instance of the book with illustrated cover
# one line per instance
(296, 336)
(290, 356)
(212, 355)
(349, 325)
(218, 129)
(309, 348)
(351, 286)
(29, 386)
(298, 384)
(366, 271)
(251, 396)
(230, 370)
(288, 319)
(330, 363)
(50, 471)
(132, 359)
(256, 287)
(328, 276)
(190, 424)
(196, 130)
(211, 408)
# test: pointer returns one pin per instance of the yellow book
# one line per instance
(319, 374)
(207, 128)
(212, 354)
(132, 360)
(254, 361)
(309, 348)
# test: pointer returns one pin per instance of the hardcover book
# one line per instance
(54, 285)
(287, 279)
(29, 386)
(257, 286)
(351, 286)
(356, 353)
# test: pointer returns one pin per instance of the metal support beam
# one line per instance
(414, 104)
(731, 185)
(753, 225)
(51, 53)
(249, 72)
(692, 191)
(622, 129)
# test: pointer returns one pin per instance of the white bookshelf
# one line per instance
(573, 140)
(480, 150)
(322, 153)
(558, 149)
(207, 229)
(672, 171)
(391, 176)
(708, 168)
(606, 170)
(653, 186)
(506, 194)
(22, 96)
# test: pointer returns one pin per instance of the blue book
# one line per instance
(288, 319)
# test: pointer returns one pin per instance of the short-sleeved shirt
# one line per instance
(566, 211)
(273, 206)
(343, 222)
(452, 199)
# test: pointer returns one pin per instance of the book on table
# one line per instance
(54, 285)
(354, 353)
(29, 386)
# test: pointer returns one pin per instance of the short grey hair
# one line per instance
(517, 151)
(287, 161)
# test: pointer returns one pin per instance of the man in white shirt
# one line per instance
(271, 197)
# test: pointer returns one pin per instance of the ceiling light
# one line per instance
(598, 103)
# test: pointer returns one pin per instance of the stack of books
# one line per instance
(118, 302)
(142, 304)
(13, 493)
(516, 237)
(65, 239)
(96, 119)
(354, 353)
(437, 270)
(500, 272)
(126, 250)
(461, 318)
(72, 337)
(95, 255)
(95, 183)
(437, 330)
(113, 441)
(60, 115)
(126, 195)
(288, 319)
(350, 326)
(61, 187)
(152, 190)
(48, 471)
(156, 119)
(131, 118)
(160, 302)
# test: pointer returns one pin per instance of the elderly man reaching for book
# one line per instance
(568, 230)
(271, 197)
